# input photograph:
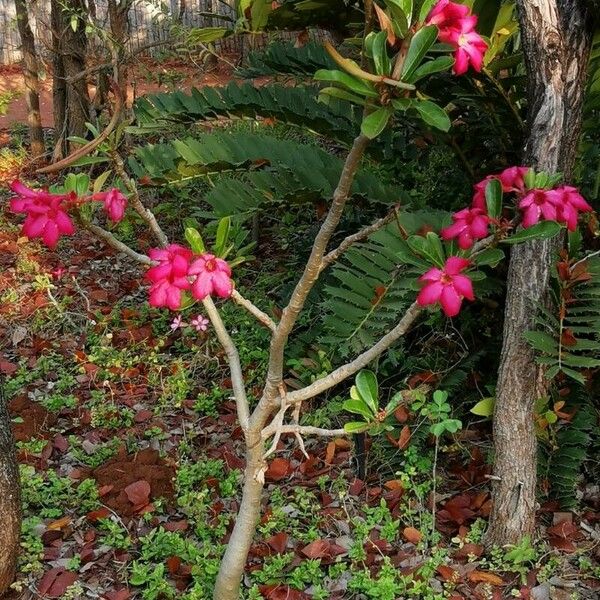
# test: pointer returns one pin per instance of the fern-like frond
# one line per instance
(370, 289)
(570, 342)
(562, 463)
(266, 170)
(284, 58)
(299, 106)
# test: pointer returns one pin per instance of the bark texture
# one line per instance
(71, 101)
(556, 38)
(30, 72)
(10, 499)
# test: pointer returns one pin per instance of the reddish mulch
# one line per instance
(123, 470)
(37, 421)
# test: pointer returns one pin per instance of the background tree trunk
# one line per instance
(71, 101)
(30, 73)
(10, 499)
(556, 37)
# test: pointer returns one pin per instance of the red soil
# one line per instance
(36, 419)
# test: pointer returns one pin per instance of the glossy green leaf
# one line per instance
(194, 239)
(419, 46)
(442, 63)
(358, 86)
(374, 123)
(222, 237)
(380, 56)
(490, 257)
(485, 407)
(542, 231)
(493, 198)
(358, 407)
(356, 427)
(433, 114)
(366, 385)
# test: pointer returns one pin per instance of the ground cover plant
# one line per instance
(170, 359)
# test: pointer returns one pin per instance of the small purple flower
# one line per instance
(200, 323)
(177, 323)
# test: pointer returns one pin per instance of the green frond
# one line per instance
(370, 289)
(266, 170)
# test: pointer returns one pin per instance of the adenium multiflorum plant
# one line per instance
(410, 46)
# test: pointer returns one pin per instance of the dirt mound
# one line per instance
(36, 420)
(125, 470)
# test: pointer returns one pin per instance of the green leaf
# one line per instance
(222, 237)
(487, 12)
(542, 231)
(423, 247)
(393, 403)
(530, 179)
(419, 46)
(340, 94)
(442, 63)
(381, 59)
(358, 407)
(433, 114)
(205, 35)
(359, 86)
(485, 407)
(194, 239)
(356, 427)
(366, 385)
(374, 123)
(433, 239)
(493, 198)
(489, 257)
(542, 341)
(426, 9)
(100, 181)
(74, 21)
(260, 13)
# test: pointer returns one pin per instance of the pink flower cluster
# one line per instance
(457, 27)
(177, 271)
(449, 286)
(47, 214)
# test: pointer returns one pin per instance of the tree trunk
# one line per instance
(231, 570)
(72, 101)
(10, 499)
(30, 72)
(556, 38)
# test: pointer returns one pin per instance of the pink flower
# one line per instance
(470, 48)
(538, 205)
(479, 195)
(213, 277)
(200, 323)
(447, 286)
(115, 203)
(177, 323)
(513, 179)
(448, 18)
(46, 213)
(169, 277)
(569, 202)
(470, 224)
